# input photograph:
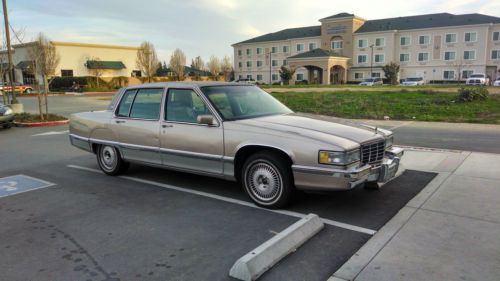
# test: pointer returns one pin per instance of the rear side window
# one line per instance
(126, 102)
(147, 104)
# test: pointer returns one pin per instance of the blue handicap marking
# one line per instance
(20, 183)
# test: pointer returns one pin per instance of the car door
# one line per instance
(185, 144)
(137, 124)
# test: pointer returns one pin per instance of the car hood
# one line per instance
(317, 129)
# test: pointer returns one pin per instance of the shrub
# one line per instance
(472, 94)
(64, 83)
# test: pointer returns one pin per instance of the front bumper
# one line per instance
(318, 178)
(6, 119)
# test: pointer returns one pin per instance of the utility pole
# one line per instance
(9, 51)
(371, 61)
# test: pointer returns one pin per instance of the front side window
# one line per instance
(243, 102)
(380, 42)
(469, 55)
(424, 40)
(449, 55)
(470, 37)
(451, 38)
(147, 104)
(184, 105)
(362, 43)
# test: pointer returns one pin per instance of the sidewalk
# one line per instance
(450, 231)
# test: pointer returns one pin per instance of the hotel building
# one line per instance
(345, 47)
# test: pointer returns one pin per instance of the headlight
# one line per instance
(8, 111)
(338, 157)
(388, 141)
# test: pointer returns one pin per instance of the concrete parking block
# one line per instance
(468, 196)
(257, 261)
(483, 165)
(437, 246)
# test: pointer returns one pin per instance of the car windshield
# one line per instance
(413, 79)
(476, 76)
(243, 102)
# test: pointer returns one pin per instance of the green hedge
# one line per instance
(62, 83)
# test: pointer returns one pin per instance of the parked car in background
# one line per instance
(6, 116)
(413, 81)
(246, 81)
(478, 79)
(372, 82)
(235, 132)
(497, 82)
(18, 87)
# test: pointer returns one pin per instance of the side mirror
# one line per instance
(206, 120)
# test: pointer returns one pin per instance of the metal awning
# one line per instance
(99, 64)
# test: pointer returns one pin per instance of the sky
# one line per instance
(202, 27)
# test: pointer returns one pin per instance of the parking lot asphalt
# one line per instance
(154, 224)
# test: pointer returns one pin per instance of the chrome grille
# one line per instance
(373, 153)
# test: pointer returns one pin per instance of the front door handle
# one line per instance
(119, 121)
(167, 126)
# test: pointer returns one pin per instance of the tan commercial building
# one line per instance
(77, 59)
(345, 47)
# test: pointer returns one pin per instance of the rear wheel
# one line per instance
(267, 179)
(110, 160)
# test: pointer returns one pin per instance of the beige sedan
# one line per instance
(237, 132)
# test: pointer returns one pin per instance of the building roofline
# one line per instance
(77, 44)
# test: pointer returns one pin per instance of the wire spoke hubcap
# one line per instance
(264, 181)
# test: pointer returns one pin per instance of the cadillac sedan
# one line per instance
(237, 132)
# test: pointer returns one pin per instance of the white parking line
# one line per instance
(51, 133)
(232, 200)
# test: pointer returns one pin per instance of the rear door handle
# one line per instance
(119, 121)
(167, 126)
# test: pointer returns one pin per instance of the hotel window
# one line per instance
(362, 43)
(239, 52)
(404, 57)
(380, 42)
(300, 47)
(249, 64)
(376, 74)
(469, 55)
(379, 58)
(285, 62)
(249, 76)
(449, 55)
(275, 77)
(423, 56)
(240, 65)
(424, 39)
(67, 72)
(312, 46)
(337, 45)
(259, 51)
(274, 50)
(259, 63)
(285, 49)
(240, 76)
(274, 63)
(362, 58)
(249, 52)
(358, 75)
(449, 74)
(259, 77)
(470, 37)
(451, 38)
(405, 41)
(496, 36)
(466, 73)
(495, 55)
(300, 77)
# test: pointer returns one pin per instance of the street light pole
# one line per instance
(9, 51)
(371, 61)
(270, 67)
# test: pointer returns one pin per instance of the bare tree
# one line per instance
(198, 63)
(177, 63)
(44, 59)
(147, 60)
(459, 64)
(94, 65)
(226, 67)
(214, 66)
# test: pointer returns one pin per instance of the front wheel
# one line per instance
(110, 160)
(267, 179)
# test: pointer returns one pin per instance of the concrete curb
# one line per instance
(41, 124)
(256, 262)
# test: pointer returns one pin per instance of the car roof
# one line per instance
(183, 84)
